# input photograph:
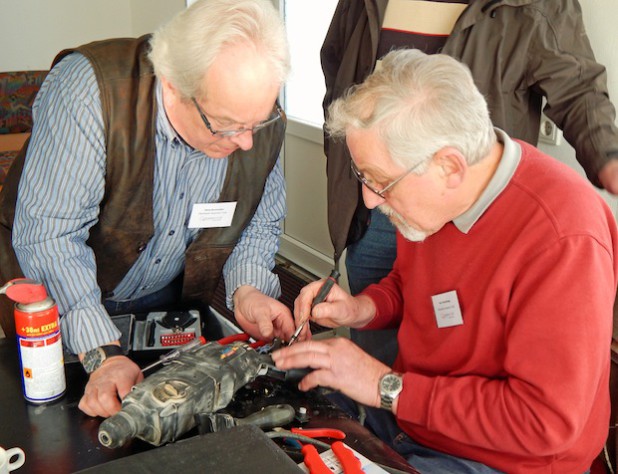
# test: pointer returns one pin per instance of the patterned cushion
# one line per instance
(17, 92)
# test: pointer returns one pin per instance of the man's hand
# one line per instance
(608, 176)
(339, 308)
(109, 384)
(339, 364)
(261, 316)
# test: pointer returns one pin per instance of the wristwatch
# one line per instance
(94, 358)
(390, 387)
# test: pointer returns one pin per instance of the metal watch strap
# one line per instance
(390, 386)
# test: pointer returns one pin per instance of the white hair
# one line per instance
(183, 49)
(418, 104)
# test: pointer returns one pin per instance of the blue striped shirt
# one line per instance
(62, 187)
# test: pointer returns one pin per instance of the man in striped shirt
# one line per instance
(153, 169)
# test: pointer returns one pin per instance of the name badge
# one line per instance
(212, 214)
(447, 310)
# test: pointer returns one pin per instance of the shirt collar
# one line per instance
(511, 157)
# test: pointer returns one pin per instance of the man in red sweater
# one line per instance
(502, 289)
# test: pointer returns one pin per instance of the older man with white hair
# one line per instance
(153, 170)
(502, 290)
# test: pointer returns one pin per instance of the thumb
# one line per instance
(265, 327)
(322, 311)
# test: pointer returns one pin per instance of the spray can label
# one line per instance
(40, 351)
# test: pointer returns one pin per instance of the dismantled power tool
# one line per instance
(193, 386)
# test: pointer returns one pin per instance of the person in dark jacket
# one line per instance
(153, 169)
(519, 51)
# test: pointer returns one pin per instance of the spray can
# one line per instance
(39, 342)
(40, 350)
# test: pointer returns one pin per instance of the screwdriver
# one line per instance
(319, 298)
(176, 352)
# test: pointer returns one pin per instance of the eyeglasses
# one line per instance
(276, 115)
(380, 192)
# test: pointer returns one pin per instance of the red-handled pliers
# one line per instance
(319, 432)
(243, 336)
(350, 463)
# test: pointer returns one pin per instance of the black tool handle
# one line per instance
(325, 289)
(290, 375)
(151, 333)
(269, 417)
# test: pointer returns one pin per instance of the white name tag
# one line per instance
(212, 214)
(447, 310)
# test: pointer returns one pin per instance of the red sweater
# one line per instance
(522, 384)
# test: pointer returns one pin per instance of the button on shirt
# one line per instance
(63, 184)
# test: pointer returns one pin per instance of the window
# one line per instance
(306, 24)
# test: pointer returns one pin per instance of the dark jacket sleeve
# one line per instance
(563, 67)
(348, 57)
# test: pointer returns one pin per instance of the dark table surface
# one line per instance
(59, 438)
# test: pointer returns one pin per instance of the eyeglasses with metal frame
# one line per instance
(276, 115)
(380, 192)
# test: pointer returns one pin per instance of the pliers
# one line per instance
(243, 336)
(313, 461)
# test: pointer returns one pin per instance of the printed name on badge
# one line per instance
(212, 214)
(447, 310)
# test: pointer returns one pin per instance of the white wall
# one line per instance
(147, 15)
(33, 31)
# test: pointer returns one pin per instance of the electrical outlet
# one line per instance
(549, 132)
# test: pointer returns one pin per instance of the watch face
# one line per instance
(92, 360)
(391, 383)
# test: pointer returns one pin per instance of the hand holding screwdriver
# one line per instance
(319, 298)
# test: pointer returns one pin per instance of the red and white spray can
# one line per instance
(39, 341)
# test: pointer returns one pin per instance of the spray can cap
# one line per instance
(24, 290)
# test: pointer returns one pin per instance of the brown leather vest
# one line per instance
(126, 81)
